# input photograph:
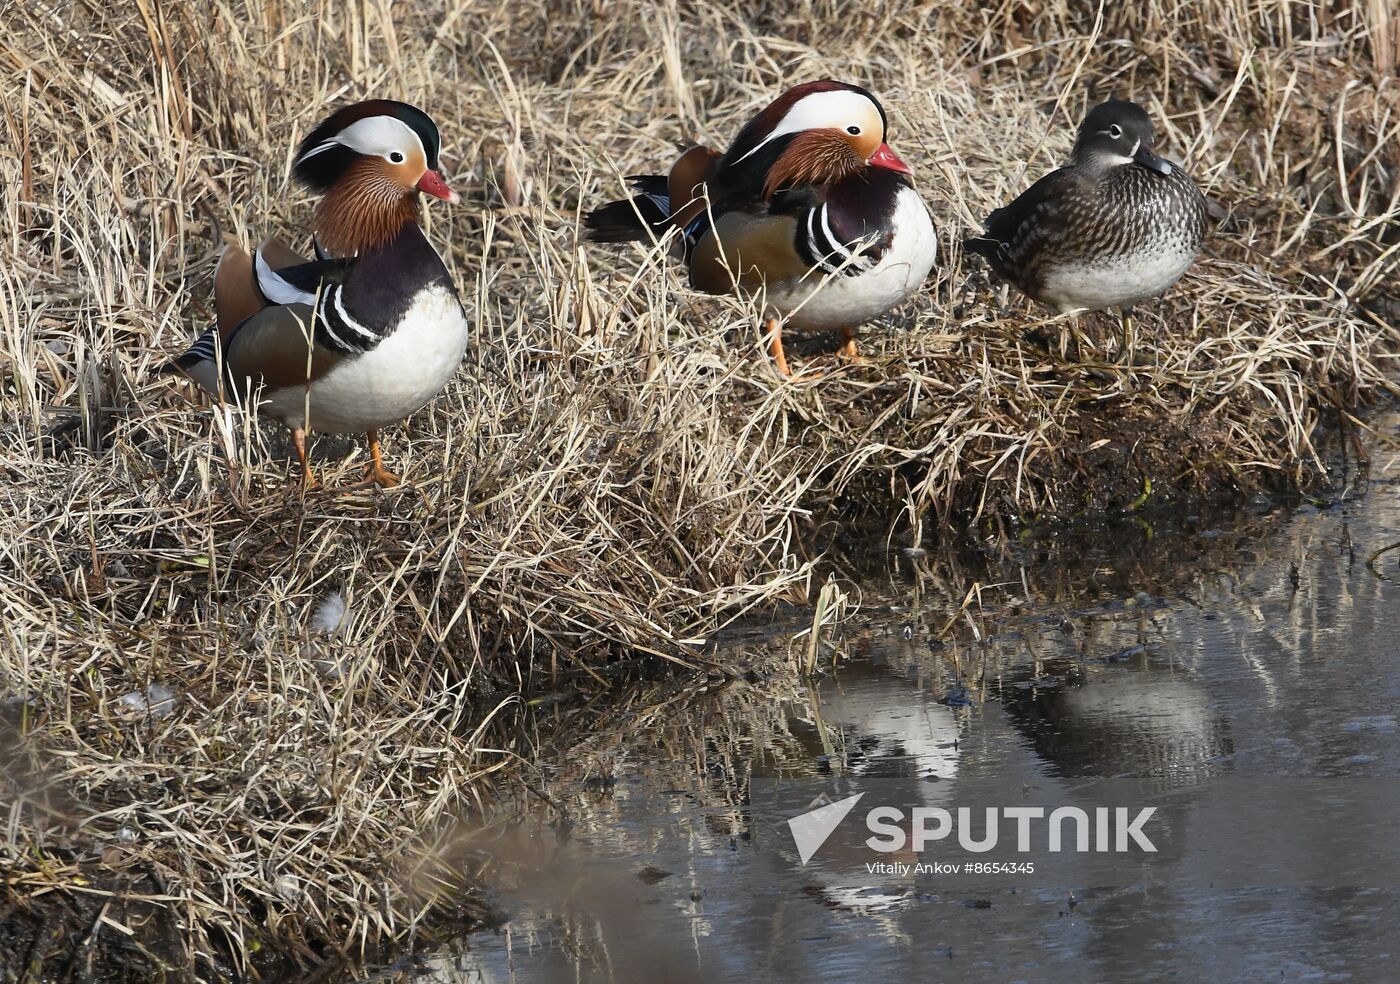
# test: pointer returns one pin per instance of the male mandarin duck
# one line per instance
(809, 209)
(1115, 226)
(372, 329)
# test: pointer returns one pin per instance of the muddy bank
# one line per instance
(1209, 649)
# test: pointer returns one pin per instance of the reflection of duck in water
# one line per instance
(876, 726)
(1151, 722)
(865, 722)
(889, 729)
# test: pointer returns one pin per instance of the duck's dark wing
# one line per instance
(746, 249)
(264, 304)
(661, 201)
(296, 282)
(644, 217)
(277, 346)
(1014, 232)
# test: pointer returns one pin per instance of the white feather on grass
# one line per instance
(328, 619)
(158, 700)
(329, 615)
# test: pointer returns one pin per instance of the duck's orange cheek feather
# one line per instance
(404, 175)
(813, 157)
(868, 143)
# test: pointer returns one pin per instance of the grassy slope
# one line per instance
(615, 467)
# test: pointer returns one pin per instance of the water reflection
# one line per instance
(1260, 644)
(866, 723)
(1157, 722)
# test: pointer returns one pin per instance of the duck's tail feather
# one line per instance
(643, 217)
(982, 246)
(204, 349)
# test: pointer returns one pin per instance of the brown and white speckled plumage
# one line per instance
(1115, 226)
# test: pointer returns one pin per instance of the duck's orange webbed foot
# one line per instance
(308, 480)
(848, 349)
(376, 472)
(775, 346)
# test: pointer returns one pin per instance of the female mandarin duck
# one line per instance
(1115, 226)
(372, 329)
(809, 208)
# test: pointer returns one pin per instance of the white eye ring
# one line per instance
(395, 157)
(853, 130)
(1115, 131)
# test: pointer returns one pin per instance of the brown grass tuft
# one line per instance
(617, 470)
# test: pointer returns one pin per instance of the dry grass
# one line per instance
(616, 471)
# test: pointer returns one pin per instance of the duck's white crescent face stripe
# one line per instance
(824, 110)
(1117, 160)
(374, 136)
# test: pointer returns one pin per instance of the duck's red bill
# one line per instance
(433, 183)
(885, 157)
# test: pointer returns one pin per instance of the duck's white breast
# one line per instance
(389, 382)
(823, 302)
(1113, 281)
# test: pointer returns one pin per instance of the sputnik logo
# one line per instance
(811, 829)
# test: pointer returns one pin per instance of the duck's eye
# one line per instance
(395, 157)
(1115, 131)
(853, 130)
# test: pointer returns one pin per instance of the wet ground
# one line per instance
(1265, 643)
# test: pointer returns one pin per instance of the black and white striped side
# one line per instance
(337, 328)
(312, 284)
(205, 347)
(823, 249)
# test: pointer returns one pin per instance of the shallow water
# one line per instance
(1200, 651)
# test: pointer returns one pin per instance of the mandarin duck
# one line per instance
(808, 208)
(1115, 226)
(370, 330)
